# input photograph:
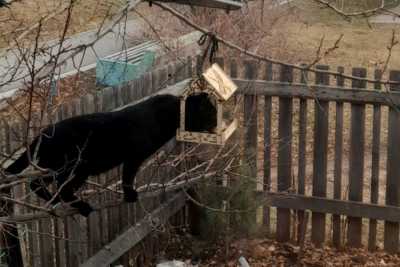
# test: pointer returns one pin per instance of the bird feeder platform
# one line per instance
(221, 4)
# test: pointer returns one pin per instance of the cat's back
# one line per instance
(75, 130)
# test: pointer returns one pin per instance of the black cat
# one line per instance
(92, 144)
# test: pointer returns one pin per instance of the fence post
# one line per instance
(321, 109)
(284, 155)
(356, 160)
(391, 236)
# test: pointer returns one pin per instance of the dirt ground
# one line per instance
(268, 253)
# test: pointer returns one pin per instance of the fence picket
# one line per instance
(284, 155)
(337, 186)
(302, 162)
(220, 62)
(356, 160)
(376, 139)
(320, 159)
(250, 120)
(267, 148)
(391, 235)
(45, 225)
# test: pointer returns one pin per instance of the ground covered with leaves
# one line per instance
(266, 252)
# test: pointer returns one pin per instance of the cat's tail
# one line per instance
(19, 165)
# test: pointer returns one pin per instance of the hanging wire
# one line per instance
(211, 49)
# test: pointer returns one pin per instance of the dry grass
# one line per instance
(362, 44)
(86, 15)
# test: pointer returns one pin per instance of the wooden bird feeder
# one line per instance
(219, 87)
(222, 4)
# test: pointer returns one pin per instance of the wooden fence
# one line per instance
(322, 144)
(327, 145)
(108, 235)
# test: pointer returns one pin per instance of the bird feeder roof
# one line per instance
(222, 85)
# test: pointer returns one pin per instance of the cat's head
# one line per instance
(200, 113)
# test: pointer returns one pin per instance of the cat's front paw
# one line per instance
(131, 197)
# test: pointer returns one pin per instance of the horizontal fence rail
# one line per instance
(320, 92)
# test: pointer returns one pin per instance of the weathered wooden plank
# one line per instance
(136, 233)
(331, 206)
(94, 229)
(9, 242)
(189, 67)
(163, 77)
(301, 163)
(250, 122)
(72, 244)
(321, 92)
(72, 229)
(108, 99)
(59, 224)
(198, 67)
(180, 68)
(337, 175)
(46, 244)
(284, 155)
(148, 84)
(391, 236)
(376, 139)
(356, 160)
(98, 101)
(267, 148)
(104, 213)
(155, 78)
(125, 91)
(118, 92)
(46, 231)
(110, 228)
(320, 159)
(8, 146)
(220, 62)
(233, 68)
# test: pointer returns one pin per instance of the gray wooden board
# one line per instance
(46, 243)
(356, 160)
(284, 156)
(301, 174)
(376, 139)
(337, 175)
(391, 235)
(267, 147)
(136, 233)
(331, 206)
(267, 157)
(320, 160)
(321, 92)
(250, 123)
